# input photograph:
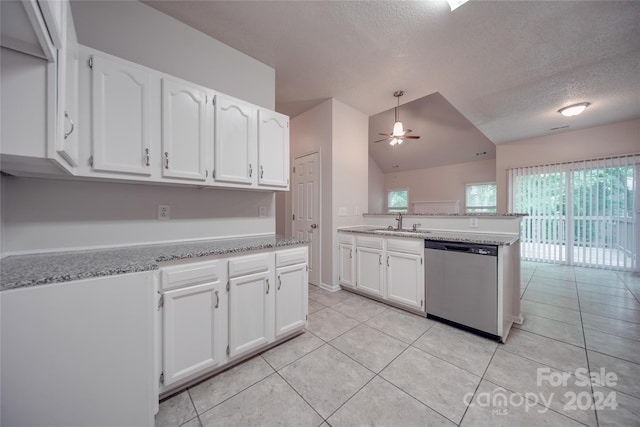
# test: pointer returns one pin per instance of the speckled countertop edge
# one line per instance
(466, 214)
(438, 235)
(39, 269)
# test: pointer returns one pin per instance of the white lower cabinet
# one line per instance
(369, 266)
(292, 278)
(251, 309)
(388, 268)
(79, 353)
(194, 319)
(215, 312)
(405, 279)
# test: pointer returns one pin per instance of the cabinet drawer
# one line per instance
(345, 238)
(291, 256)
(370, 242)
(192, 273)
(250, 264)
(409, 246)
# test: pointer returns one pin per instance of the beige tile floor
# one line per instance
(364, 363)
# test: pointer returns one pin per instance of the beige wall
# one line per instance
(442, 182)
(376, 187)
(600, 141)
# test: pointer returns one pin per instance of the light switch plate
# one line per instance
(473, 222)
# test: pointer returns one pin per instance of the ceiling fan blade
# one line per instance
(406, 131)
(385, 134)
(411, 137)
(380, 140)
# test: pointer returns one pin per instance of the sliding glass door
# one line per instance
(582, 213)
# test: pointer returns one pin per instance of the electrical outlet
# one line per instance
(263, 211)
(163, 212)
(357, 211)
(473, 222)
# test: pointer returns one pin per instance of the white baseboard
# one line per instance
(330, 288)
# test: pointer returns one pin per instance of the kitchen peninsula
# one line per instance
(463, 269)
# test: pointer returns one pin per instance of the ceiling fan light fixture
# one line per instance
(398, 129)
(574, 109)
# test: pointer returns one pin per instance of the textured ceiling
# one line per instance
(507, 66)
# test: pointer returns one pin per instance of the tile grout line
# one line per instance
(478, 386)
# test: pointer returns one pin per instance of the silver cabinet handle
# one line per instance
(217, 300)
(147, 157)
(250, 170)
(66, 134)
(387, 260)
(279, 282)
(351, 253)
(380, 259)
(268, 286)
(166, 160)
(261, 172)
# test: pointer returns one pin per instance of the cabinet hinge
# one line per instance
(91, 161)
(420, 261)
(294, 169)
(161, 302)
(421, 302)
(162, 378)
(213, 173)
(206, 173)
(206, 99)
(306, 317)
(228, 286)
(228, 350)
(307, 267)
(294, 217)
(91, 62)
(213, 100)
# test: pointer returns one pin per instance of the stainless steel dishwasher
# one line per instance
(461, 282)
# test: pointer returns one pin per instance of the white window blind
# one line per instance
(581, 213)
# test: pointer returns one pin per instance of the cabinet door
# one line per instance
(369, 271)
(235, 142)
(405, 279)
(250, 312)
(195, 319)
(273, 149)
(67, 103)
(184, 131)
(346, 264)
(120, 95)
(291, 298)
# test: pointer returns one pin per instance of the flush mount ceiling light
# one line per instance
(454, 4)
(399, 133)
(573, 109)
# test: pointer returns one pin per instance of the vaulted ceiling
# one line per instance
(505, 66)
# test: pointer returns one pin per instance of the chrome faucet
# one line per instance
(399, 219)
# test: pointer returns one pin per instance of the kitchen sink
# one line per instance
(403, 232)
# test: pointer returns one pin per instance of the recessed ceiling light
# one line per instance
(573, 109)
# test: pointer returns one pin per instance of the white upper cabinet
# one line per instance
(120, 103)
(185, 130)
(235, 141)
(273, 149)
(66, 138)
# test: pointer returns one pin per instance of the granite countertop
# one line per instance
(438, 235)
(464, 214)
(39, 269)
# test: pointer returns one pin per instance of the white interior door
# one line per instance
(306, 208)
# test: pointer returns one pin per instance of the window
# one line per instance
(398, 201)
(481, 197)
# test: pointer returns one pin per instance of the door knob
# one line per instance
(314, 225)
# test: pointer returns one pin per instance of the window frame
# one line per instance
(480, 208)
(396, 209)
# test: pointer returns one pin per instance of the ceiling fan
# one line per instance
(399, 133)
